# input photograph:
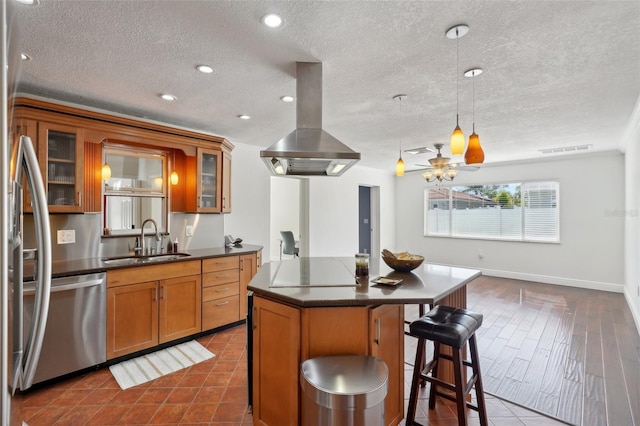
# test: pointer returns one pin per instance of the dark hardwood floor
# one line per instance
(571, 353)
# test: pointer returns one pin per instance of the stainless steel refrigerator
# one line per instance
(18, 166)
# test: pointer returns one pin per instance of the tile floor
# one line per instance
(213, 392)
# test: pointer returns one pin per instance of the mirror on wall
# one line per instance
(135, 189)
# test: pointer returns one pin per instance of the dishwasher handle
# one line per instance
(29, 288)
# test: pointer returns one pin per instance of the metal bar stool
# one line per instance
(453, 327)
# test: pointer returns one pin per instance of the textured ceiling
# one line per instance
(556, 73)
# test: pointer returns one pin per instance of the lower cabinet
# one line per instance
(150, 305)
(284, 336)
(224, 288)
(220, 291)
(276, 363)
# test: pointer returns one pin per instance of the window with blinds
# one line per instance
(523, 211)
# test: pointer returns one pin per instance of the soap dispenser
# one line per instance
(175, 246)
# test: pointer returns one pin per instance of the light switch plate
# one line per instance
(189, 231)
(66, 236)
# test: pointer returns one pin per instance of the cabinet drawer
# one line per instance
(220, 312)
(220, 263)
(220, 291)
(220, 277)
(137, 274)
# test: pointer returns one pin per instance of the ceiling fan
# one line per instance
(440, 168)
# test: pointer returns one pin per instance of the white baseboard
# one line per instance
(634, 311)
(569, 282)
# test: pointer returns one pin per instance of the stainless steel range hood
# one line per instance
(309, 150)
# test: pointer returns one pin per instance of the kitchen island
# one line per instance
(307, 307)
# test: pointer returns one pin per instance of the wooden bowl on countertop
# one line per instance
(403, 265)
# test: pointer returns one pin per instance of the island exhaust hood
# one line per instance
(309, 150)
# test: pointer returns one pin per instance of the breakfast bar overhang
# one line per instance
(307, 307)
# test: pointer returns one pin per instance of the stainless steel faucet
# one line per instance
(155, 226)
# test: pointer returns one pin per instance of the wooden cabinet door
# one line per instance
(248, 266)
(180, 307)
(226, 182)
(61, 157)
(276, 363)
(209, 181)
(386, 339)
(26, 128)
(132, 318)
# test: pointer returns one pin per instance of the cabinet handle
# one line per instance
(79, 199)
(377, 331)
(224, 203)
(223, 303)
(163, 292)
(155, 294)
(222, 275)
(199, 202)
(242, 264)
(222, 289)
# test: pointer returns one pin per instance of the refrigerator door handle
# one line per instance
(43, 262)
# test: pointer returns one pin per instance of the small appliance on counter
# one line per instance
(229, 241)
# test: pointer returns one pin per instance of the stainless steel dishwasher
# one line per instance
(75, 335)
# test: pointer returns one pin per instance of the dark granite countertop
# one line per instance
(91, 265)
(329, 281)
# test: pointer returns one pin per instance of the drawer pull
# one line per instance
(222, 289)
(223, 303)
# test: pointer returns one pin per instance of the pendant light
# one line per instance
(400, 163)
(173, 177)
(457, 137)
(474, 154)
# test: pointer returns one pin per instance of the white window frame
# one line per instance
(449, 219)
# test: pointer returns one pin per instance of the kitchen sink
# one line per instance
(141, 260)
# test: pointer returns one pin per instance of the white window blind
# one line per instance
(521, 211)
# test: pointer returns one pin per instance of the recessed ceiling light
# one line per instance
(28, 2)
(205, 69)
(286, 98)
(168, 97)
(272, 20)
(244, 117)
(25, 57)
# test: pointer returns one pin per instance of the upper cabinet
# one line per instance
(209, 179)
(61, 151)
(209, 189)
(70, 140)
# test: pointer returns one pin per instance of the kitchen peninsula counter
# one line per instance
(309, 307)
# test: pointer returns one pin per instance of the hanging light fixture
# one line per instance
(173, 177)
(400, 163)
(474, 154)
(106, 171)
(457, 137)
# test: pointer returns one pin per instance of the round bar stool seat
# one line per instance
(452, 327)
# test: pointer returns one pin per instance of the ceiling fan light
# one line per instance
(457, 141)
(427, 176)
(474, 154)
(400, 167)
(452, 173)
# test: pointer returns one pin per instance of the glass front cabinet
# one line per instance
(60, 151)
(209, 180)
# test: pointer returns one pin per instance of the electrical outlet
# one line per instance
(189, 231)
(66, 236)
(480, 254)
